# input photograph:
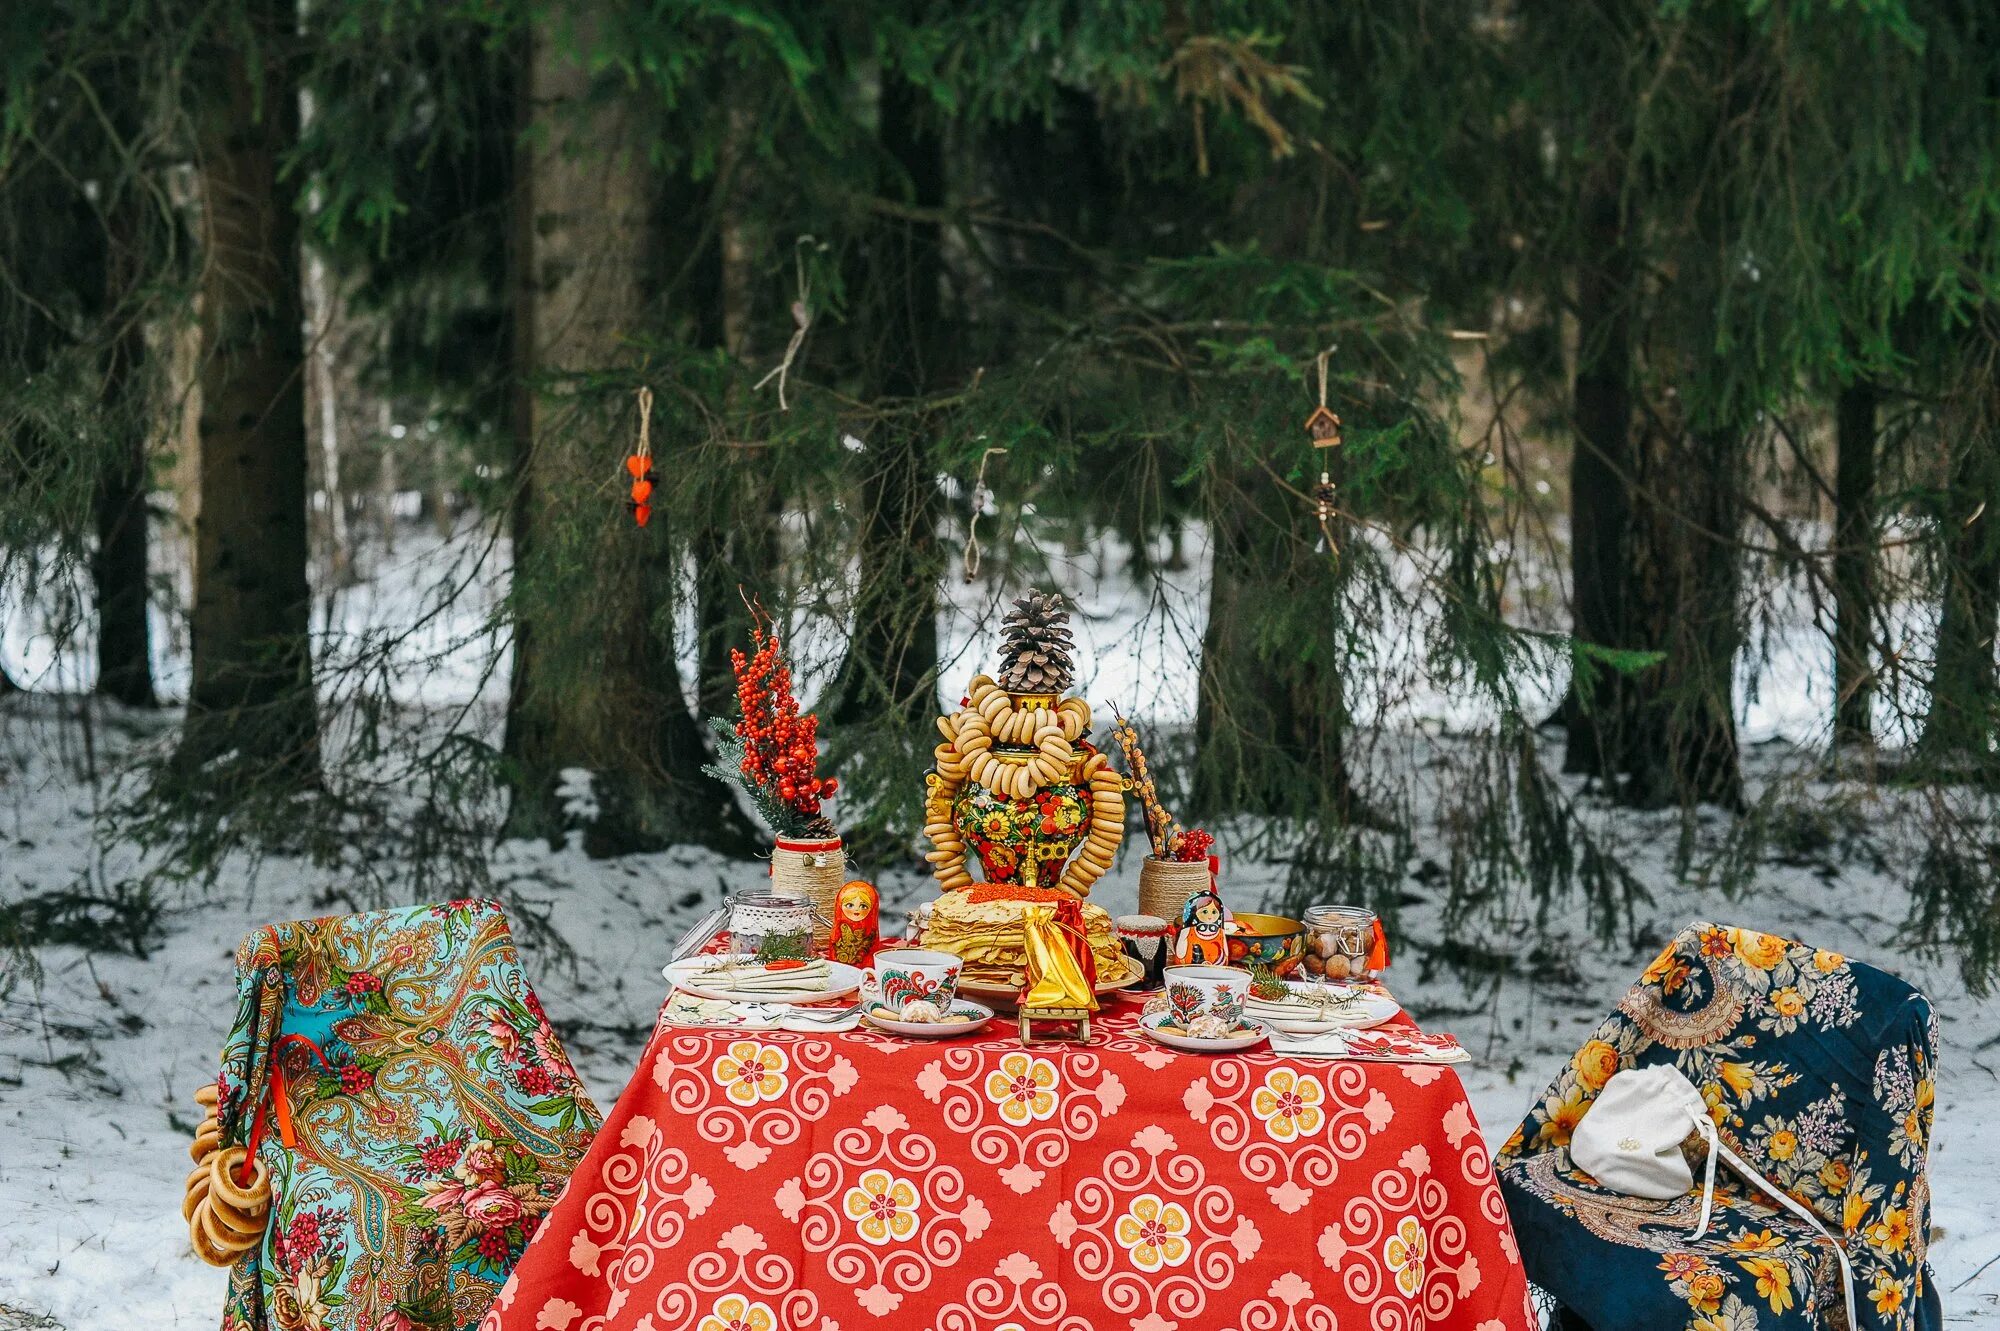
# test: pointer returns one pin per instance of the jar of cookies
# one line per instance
(1339, 942)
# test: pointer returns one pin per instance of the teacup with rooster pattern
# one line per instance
(905, 975)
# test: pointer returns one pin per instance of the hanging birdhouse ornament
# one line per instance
(1323, 426)
(639, 465)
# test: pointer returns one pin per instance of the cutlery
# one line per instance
(823, 1014)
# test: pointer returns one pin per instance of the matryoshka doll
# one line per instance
(857, 923)
(1202, 939)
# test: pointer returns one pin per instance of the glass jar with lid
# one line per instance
(1340, 940)
(768, 927)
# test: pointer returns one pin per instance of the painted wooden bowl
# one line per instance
(1267, 941)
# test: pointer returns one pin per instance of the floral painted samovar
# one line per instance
(1015, 779)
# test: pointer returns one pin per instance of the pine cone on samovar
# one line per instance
(1035, 646)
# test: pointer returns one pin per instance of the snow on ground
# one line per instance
(98, 1054)
(99, 1051)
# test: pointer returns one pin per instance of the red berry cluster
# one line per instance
(1194, 846)
(780, 747)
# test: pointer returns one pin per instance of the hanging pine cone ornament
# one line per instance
(1035, 645)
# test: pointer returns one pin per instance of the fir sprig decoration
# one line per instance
(772, 750)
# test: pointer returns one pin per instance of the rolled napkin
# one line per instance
(753, 977)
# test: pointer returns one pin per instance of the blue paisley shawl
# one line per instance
(435, 1114)
(1818, 1071)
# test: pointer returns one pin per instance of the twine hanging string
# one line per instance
(801, 321)
(645, 449)
(979, 497)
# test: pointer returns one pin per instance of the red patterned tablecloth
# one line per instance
(750, 1181)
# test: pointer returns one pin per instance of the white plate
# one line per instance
(842, 980)
(1188, 1044)
(1363, 1010)
(933, 1030)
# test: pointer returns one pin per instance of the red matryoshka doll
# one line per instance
(857, 923)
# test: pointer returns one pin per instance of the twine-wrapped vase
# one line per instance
(1165, 885)
(813, 868)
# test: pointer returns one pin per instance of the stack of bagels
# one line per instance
(226, 1216)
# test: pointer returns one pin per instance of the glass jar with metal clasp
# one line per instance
(1340, 942)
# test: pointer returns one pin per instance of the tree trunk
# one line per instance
(1654, 517)
(1854, 568)
(1601, 461)
(251, 694)
(892, 657)
(737, 551)
(595, 687)
(1960, 725)
(118, 561)
(1674, 727)
(388, 477)
(323, 316)
(118, 571)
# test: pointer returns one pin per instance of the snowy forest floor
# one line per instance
(98, 1053)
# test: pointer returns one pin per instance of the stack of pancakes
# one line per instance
(982, 925)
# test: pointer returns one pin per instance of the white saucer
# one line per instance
(1249, 1034)
(1362, 1010)
(933, 1030)
(842, 980)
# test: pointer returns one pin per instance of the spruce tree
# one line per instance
(250, 699)
(596, 685)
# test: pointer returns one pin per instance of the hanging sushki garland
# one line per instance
(1323, 428)
(639, 463)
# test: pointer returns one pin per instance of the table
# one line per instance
(752, 1181)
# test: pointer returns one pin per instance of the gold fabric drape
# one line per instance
(1055, 980)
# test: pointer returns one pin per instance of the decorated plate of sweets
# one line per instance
(1301, 1007)
(1205, 1034)
(920, 1019)
(784, 980)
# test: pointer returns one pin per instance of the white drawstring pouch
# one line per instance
(1630, 1142)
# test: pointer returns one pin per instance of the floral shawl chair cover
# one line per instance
(1817, 1071)
(417, 1113)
